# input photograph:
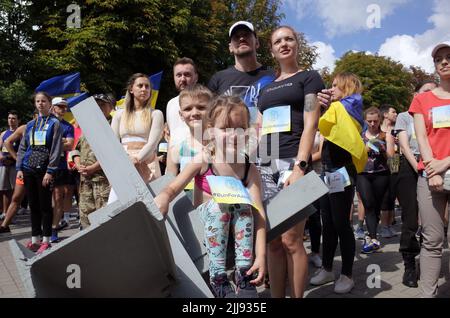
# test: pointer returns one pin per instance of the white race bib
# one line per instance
(39, 138)
(276, 119)
(229, 190)
(441, 116)
(162, 147)
(338, 180)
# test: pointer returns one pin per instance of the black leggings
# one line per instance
(335, 210)
(372, 187)
(40, 201)
(406, 190)
(315, 228)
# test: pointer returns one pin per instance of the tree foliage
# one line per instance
(15, 55)
(118, 38)
(385, 81)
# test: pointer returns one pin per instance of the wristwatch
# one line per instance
(302, 164)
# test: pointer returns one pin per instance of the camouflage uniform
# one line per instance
(94, 189)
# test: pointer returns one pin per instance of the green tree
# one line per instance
(15, 96)
(15, 54)
(420, 76)
(385, 81)
(118, 38)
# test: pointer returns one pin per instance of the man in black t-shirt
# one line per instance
(247, 77)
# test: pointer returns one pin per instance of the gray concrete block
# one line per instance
(293, 204)
(124, 257)
(127, 251)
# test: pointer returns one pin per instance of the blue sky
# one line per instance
(409, 29)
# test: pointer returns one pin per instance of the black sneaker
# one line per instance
(245, 289)
(5, 229)
(221, 286)
(410, 278)
(62, 225)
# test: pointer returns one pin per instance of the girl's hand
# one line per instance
(19, 175)
(162, 202)
(134, 160)
(295, 175)
(259, 266)
(436, 183)
(47, 180)
(435, 167)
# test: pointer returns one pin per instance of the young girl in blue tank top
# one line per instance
(227, 116)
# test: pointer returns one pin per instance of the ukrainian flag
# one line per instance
(64, 85)
(155, 82)
(342, 124)
(72, 101)
(67, 86)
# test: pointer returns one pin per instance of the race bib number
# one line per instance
(441, 117)
(39, 138)
(277, 119)
(337, 180)
(229, 190)
(162, 147)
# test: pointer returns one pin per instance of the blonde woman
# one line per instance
(140, 127)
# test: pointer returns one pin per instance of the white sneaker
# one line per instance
(385, 232)
(392, 231)
(315, 259)
(343, 285)
(322, 277)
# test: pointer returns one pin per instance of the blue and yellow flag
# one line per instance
(72, 101)
(63, 86)
(155, 82)
(67, 86)
(342, 124)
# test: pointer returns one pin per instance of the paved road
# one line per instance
(389, 260)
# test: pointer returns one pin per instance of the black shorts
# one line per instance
(63, 177)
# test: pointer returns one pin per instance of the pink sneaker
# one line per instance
(44, 246)
(33, 247)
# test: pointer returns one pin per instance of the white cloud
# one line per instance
(343, 16)
(416, 50)
(326, 56)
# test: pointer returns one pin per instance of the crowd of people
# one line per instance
(299, 126)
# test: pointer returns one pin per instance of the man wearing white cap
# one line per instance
(63, 180)
(247, 77)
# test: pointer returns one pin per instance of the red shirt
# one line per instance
(439, 138)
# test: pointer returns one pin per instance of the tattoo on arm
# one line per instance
(310, 103)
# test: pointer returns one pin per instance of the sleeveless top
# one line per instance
(202, 183)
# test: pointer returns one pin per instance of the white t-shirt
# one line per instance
(178, 128)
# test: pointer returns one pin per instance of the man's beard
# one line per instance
(244, 54)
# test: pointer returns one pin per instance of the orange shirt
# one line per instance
(439, 138)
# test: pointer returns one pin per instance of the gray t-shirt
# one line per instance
(405, 122)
